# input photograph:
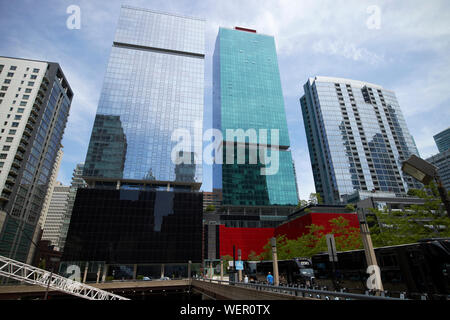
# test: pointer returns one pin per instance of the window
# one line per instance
(12, 131)
(30, 83)
(9, 139)
(8, 81)
(4, 88)
(24, 75)
(10, 74)
(6, 148)
(33, 77)
(13, 68)
(27, 90)
(20, 110)
(15, 124)
(3, 155)
(36, 70)
(2, 94)
(17, 117)
(26, 96)
(2, 164)
(23, 103)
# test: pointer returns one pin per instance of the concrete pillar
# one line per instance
(221, 270)
(134, 272)
(105, 273)
(99, 272)
(85, 272)
(276, 278)
(189, 269)
(162, 270)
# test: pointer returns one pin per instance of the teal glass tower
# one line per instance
(247, 95)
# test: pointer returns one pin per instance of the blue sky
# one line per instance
(408, 53)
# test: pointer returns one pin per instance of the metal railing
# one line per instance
(304, 292)
(29, 274)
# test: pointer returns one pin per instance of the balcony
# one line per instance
(11, 179)
(30, 124)
(7, 188)
(44, 85)
(14, 172)
(4, 197)
(22, 146)
(20, 155)
(35, 111)
(16, 163)
(32, 118)
(24, 139)
(28, 131)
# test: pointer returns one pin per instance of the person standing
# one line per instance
(269, 279)
(245, 279)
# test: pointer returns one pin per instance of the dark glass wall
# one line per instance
(135, 226)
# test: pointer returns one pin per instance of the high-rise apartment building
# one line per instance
(35, 99)
(140, 206)
(77, 182)
(57, 209)
(247, 96)
(442, 140)
(357, 138)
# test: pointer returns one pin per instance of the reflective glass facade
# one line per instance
(247, 95)
(357, 138)
(442, 140)
(153, 85)
(132, 226)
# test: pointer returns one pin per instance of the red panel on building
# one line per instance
(254, 239)
(246, 239)
(297, 227)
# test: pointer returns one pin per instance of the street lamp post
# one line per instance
(276, 278)
(425, 172)
(371, 258)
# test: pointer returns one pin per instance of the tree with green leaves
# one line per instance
(417, 222)
(314, 241)
(210, 208)
(253, 256)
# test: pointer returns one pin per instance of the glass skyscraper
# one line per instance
(153, 85)
(247, 95)
(140, 206)
(357, 138)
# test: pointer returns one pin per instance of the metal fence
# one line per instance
(305, 292)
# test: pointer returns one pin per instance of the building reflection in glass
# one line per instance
(107, 148)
